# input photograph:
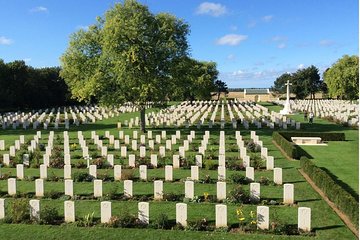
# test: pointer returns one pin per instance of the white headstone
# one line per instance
(158, 190)
(304, 219)
(221, 173)
(221, 190)
(92, 170)
(128, 188)
(132, 160)
(250, 173)
(98, 188)
(255, 192)
(270, 163)
(2, 208)
(181, 214)
(195, 173)
(221, 215)
(69, 211)
(69, 189)
(168, 173)
(189, 189)
(117, 172)
(153, 160)
(288, 193)
(35, 209)
(143, 212)
(12, 186)
(20, 171)
(105, 212)
(176, 161)
(39, 187)
(278, 176)
(198, 161)
(43, 171)
(262, 213)
(143, 172)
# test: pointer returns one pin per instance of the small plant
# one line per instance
(100, 162)
(81, 164)
(88, 220)
(49, 215)
(171, 197)
(161, 221)
(207, 179)
(52, 194)
(127, 220)
(264, 181)
(199, 225)
(239, 195)
(238, 178)
(256, 161)
(82, 177)
(128, 174)
(210, 165)
(206, 196)
(20, 210)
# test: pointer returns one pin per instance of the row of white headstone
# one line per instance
(197, 113)
(288, 189)
(262, 214)
(79, 114)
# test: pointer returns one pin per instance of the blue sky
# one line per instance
(252, 41)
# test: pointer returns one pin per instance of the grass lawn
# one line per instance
(325, 223)
(339, 158)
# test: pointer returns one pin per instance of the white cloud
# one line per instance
(231, 57)
(267, 18)
(39, 9)
(27, 59)
(231, 39)
(301, 66)
(212, 9)
(5, 41)
(326, 42)
(281, 45)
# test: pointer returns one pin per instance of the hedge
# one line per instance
(283, 139)
(340, 197)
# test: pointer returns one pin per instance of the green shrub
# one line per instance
(20, 211)
(52, 194)
(342, 199)
(49, 215)
(161, 221)
(239, 195)
(82, 177)
(199, 225)
(210, 164)
(238, 178)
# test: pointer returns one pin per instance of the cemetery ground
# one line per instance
(325, 223)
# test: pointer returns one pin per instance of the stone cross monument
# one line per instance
(287, 108)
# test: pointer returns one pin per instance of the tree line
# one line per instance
(23, 86)
(340, 81)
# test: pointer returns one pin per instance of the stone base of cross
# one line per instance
(287, 108)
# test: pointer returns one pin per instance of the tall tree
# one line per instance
(220, 87)
(342, 79)
(306, 82)
(279, 83)
(127, 56)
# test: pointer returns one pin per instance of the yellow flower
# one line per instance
(252, 214)
(241, 219)
(253, 222)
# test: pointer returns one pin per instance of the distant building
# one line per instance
(251, 94)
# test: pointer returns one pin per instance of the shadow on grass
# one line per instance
(299, 181)
(342, 184)
(309, 200)
(327, 227)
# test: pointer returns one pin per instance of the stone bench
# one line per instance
(306, 140)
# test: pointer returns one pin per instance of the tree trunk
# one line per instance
(142, 118)
(218, 96)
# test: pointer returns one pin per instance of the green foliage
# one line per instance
(288, 147)
(57, 158)
(25, 82)
(161, 221)
(239, 195)
(82, 177)
(49, 215)
(238, 179)
(210, 164)
(19, 210)
(342, 78)
(199, 225)
(342, 199)
(304, 82)
(325, 136)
